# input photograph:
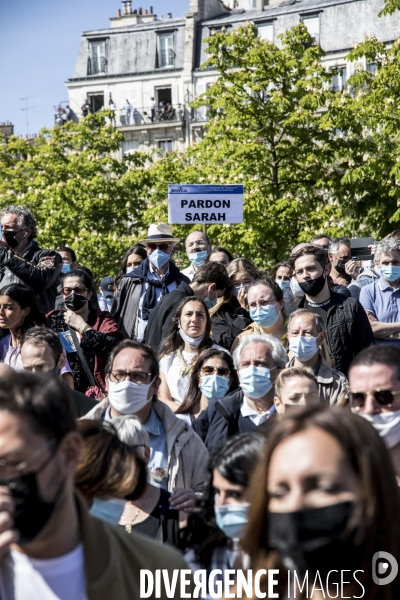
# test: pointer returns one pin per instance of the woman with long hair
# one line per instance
(19, 311)
(324, 499)
(190, 334)
(213, 376)
(132, 258)
(87, 333)
(211, 537)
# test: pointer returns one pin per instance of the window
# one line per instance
(129, 146)
(371, 68)
(266, 32)
(312, 24)
(339, 80)
(96, 102)
(165, 145)
(97, 62)
(165, 50)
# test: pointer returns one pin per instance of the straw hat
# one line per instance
(160, 232)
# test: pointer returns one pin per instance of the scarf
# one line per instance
(150, 298)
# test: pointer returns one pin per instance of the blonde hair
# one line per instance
(290, 373)
(242, 264)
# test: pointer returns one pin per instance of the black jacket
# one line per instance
(37, 268)
(348, 330)
(228, 323)
(222, 419)
(161, 316)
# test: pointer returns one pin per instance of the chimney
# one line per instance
(128, 7)
(151, 10)
(146, 12)
(119, 13)
(135, 11)
(169, 15)
(123, 7)
(140, 10)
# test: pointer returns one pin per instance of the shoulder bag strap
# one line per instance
(82, 358)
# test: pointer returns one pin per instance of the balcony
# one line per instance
(146, 116)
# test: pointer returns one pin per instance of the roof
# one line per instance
(270, 12)
(163, 24)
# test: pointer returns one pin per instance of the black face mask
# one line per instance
(313, 539)
(31, 511)
(341, 266)
(75, 301)
(314, 286)
(9, 236)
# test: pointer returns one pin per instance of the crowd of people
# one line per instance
(221, 418)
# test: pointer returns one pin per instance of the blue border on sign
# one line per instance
(205, 189)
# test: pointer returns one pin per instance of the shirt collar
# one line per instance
(247, 411)
(154, 274)
(152, 424)
(384, 286)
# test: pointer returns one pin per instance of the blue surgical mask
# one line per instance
(108, 510)
(303, 348)
(66, 268)
(255, 381)
(208, 302)
(265, 316)
(130, 269)
(237, 289)
(159, 258)
(283, 284)
(232, 519)
(198, 258)
(214, 386)
(390, 273)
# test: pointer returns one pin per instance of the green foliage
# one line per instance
(263, 130)
(78, 191)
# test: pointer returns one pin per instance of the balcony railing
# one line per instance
(148, 116)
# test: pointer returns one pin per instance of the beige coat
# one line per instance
(332, 385)
(187, 455)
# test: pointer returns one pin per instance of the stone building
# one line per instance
(149, 67)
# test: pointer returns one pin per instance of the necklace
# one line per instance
(128, 524)
(185, 367)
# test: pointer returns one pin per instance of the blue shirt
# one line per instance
(158, 463)
(383, 302)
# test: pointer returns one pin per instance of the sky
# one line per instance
(39, 43)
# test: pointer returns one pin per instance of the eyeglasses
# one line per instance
(11, 469)
(382, 397)
(139, 377)
(223, 371)
(79, 289)
(162, 247)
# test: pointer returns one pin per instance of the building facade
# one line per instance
(148, 68)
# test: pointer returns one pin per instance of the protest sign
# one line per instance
(208, 204)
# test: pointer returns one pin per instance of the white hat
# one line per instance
(160, 232)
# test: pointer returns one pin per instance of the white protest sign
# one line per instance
(188, 204)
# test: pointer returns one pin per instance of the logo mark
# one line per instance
(180, 190)
(381, 568)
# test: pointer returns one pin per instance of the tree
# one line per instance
(78, 190)
(264, 130)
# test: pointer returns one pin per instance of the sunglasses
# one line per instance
(382, 397)
(66, 291)
(162, 247)
(223, 371)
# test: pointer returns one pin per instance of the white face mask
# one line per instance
(127, 397)
(192, 342)
(387, 425)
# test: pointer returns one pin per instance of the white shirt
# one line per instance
(189, 272)
(256, 417)
(61, 578)
(141, 324)
(171, 366)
